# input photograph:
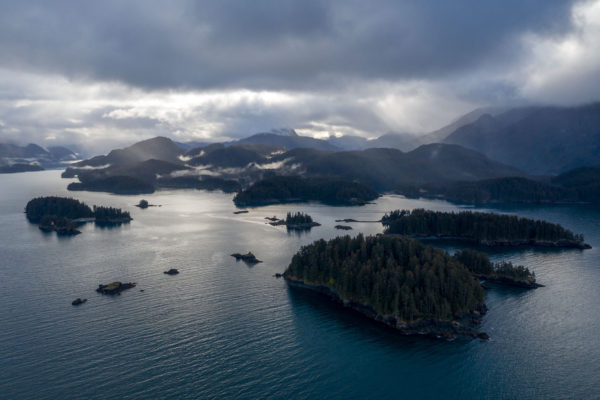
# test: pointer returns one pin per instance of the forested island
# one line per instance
(401, 282)
(487, 229)
(299, 221)
(62, 214)
(291, 189)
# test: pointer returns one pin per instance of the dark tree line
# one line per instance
(577, 185)
(48, 221)
(474, 225)
(480, 265)
(281, 189)
(398, 277)
(57, 206)
(298, 218)
(44, 210)
(110, 213)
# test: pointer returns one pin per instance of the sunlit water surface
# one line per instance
(222, 329)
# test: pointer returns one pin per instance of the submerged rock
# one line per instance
(78, 301)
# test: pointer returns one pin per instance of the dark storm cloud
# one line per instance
(275, 45)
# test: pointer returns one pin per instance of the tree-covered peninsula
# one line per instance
(292, 189)
(486, 229)
(401, 282)
(62, 214)
(504, 273)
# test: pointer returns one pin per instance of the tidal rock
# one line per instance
(172, 271)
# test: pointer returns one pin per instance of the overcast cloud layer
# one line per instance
(109, 73)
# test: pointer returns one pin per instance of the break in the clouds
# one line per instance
(114, 72)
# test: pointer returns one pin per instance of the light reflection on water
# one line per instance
(220, 329)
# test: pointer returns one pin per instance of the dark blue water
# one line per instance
(223, 330)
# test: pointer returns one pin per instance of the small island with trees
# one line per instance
(486, 229)
(401, 282)
(62, 215)
(297, 221)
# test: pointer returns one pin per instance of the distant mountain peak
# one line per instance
(283, 132)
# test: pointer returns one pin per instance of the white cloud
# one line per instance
(564, 69)
(383, 76)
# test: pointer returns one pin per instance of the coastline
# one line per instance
(559, 244)
(465, 325)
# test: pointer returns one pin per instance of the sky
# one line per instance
(102, 74)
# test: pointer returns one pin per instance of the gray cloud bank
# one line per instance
(115, 71)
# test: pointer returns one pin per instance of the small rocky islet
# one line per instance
(172, 271)
(143, 204)
(248, 258)
(114, 287)
(78, 301)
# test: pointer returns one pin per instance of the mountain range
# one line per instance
(539, 140)
(14, 158)
(157, 161)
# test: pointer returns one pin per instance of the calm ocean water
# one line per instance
(223, 330)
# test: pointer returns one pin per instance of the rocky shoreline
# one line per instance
(465, 325)
(507, 281)
(559, 244)
(60, 230)
(114, 287)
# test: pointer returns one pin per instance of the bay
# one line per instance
(224, 330)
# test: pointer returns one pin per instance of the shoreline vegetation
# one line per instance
(414, 288)
(295, 189)
(576, 186)
(485, 229)
(63, 215)
(297, 221)
(403, 283)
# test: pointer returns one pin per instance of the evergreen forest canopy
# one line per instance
(58, 206)
(110, 214)
(286, 189)
(481, 227)
(298, 218)
(63, 208)
(579, 185)
(397, 277)
(480, 265)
